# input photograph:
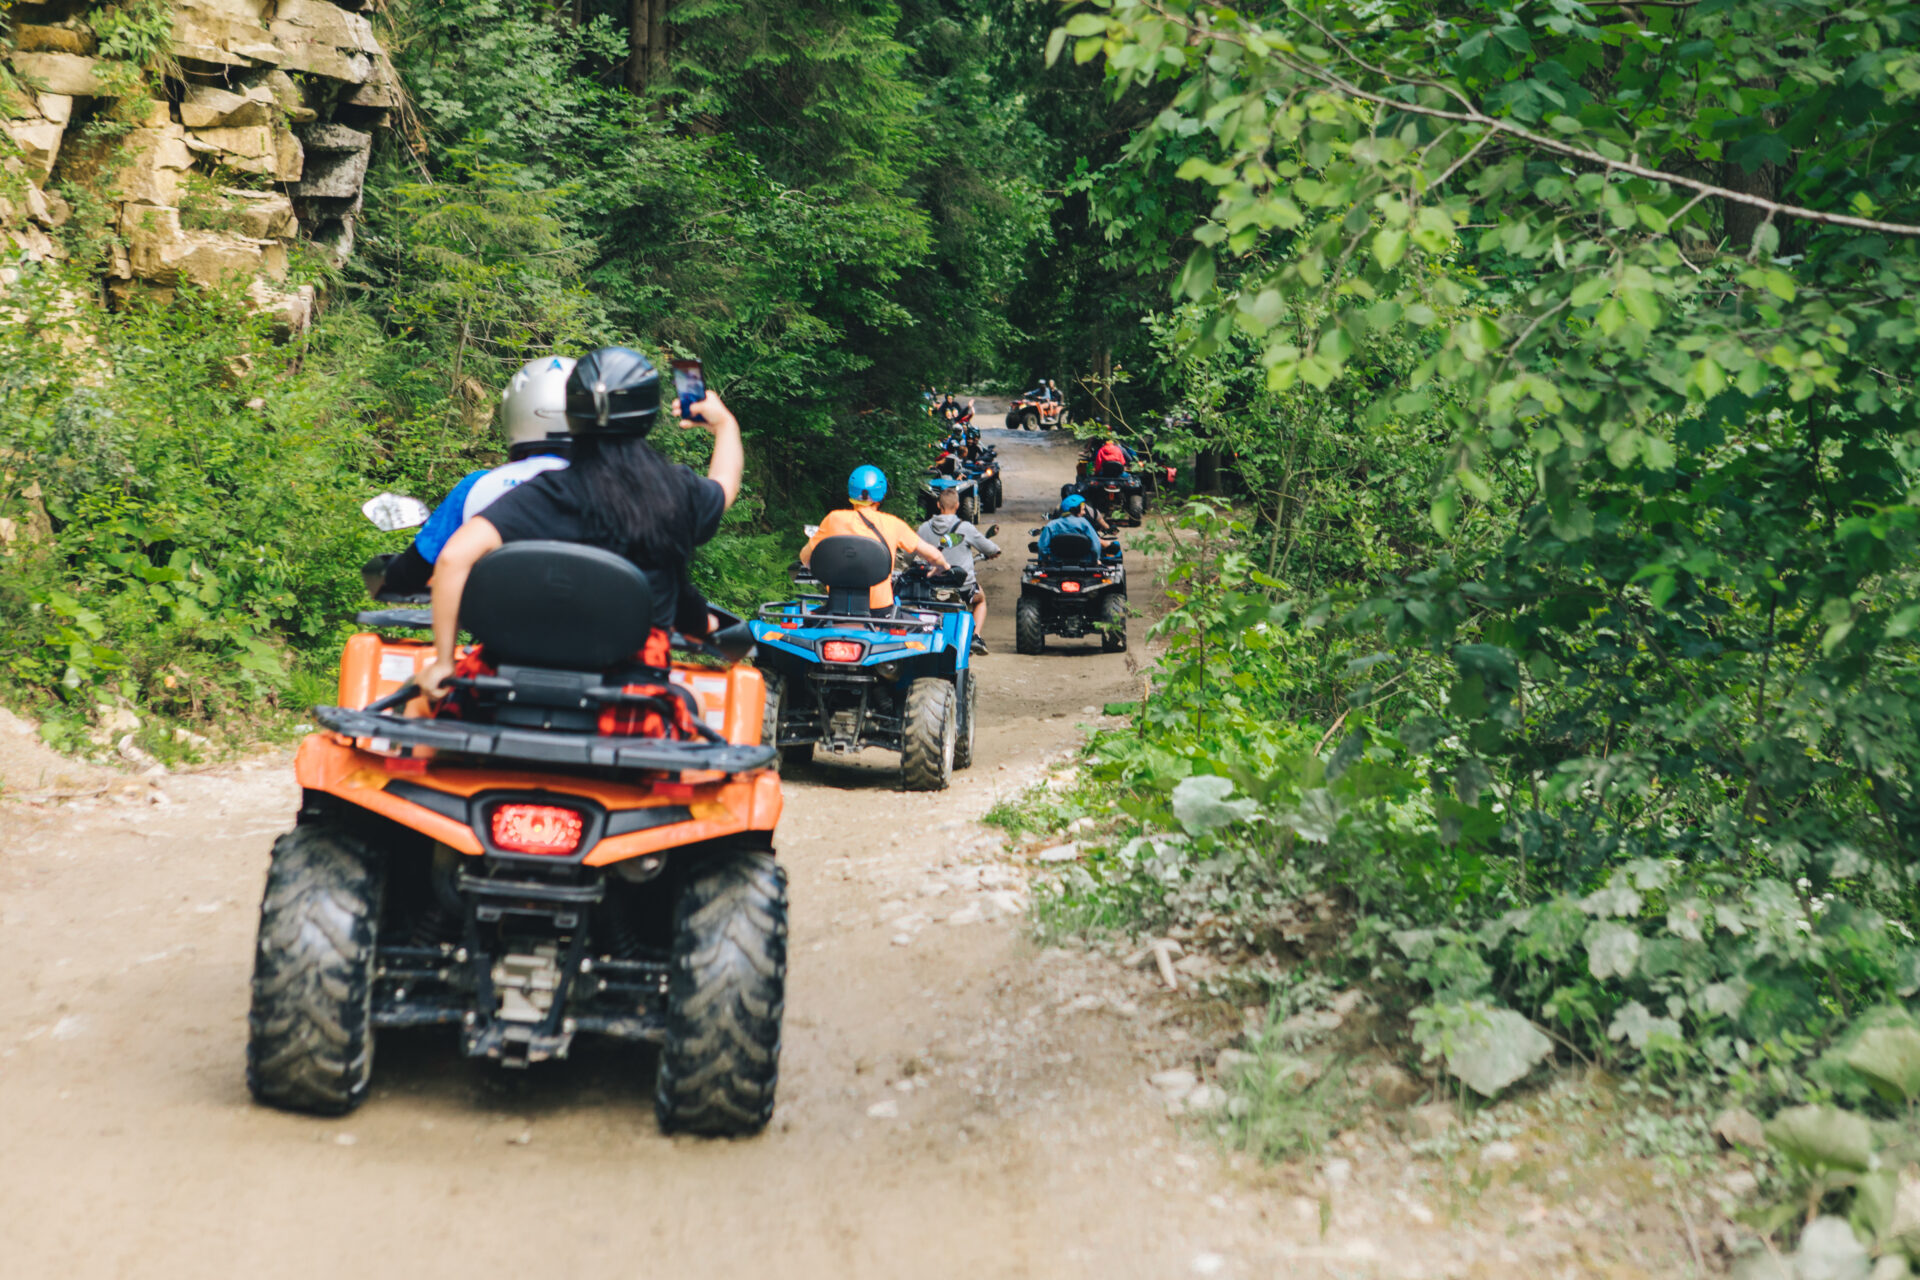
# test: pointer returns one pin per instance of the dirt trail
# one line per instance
(1021, 1146)
(953, 1101)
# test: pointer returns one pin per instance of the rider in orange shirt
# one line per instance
(866, 487)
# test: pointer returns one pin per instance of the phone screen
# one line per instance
(689, 385)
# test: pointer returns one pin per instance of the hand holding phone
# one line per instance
(690, 387)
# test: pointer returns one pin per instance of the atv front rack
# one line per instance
(540, 746)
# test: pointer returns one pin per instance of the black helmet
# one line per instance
(613, 391)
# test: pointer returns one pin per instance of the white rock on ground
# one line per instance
(1177, 1081)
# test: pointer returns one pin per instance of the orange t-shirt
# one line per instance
(897, 533)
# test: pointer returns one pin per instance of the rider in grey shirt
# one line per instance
(958, 541)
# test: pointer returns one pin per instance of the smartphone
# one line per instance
(690, 385)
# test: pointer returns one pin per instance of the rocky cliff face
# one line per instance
(255, 131)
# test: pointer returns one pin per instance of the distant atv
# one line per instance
(985, 472)
(1116, 493)
(1067, 593)
(844, 678)
(1036, 413)
(1151, 474)
(969, 487)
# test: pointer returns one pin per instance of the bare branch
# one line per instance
(1456, 166)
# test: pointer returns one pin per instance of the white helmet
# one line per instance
(534, 404)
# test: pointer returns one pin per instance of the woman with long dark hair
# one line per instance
(619, 494)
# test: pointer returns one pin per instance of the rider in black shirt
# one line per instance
(619, 495)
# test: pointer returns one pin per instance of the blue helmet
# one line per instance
(867, 484)
(1072, 502)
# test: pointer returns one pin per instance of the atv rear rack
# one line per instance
(782, 611)
(502, 742)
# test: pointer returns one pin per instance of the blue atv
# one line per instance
(1077, 588)
(845, 677)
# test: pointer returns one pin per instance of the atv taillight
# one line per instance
(841, 650)
(537, 828)
(1069, 585)
(790, 625)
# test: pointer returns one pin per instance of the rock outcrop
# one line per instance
(252, 131)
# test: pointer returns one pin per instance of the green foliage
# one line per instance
(179, 498)
(1568, 347)
(828, 203)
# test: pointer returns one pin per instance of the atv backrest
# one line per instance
(849, 566)
(1112, 470)
(557, 604)
(1070, 548)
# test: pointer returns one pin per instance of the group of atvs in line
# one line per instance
(580, 839)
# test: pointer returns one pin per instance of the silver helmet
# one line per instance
(534, 405)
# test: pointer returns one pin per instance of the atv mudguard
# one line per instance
(436, 776)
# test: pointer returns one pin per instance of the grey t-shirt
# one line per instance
(957, 541)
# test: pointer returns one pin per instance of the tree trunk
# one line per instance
(657, 40)
(640, 23)
(1206, 471)
(1743, 220)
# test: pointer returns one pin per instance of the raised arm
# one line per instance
(729, 457)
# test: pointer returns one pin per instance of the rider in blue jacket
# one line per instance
(1071, 521)
(532, 412)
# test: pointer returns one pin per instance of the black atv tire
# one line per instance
(1113, 619)
(1136, 507)
(310, 1028)
(970, 506)
(969, 723)
(721, 1059)
(796, 756)
(929, 734)
(1028, 634)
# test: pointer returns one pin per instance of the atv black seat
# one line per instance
(557, 605)
(849, 567)
(1070, 548)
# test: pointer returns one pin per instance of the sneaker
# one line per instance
(979, 647)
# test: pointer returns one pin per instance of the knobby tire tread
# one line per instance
(969, 725)
(310, 1027)
(790, 757)
(1113, 611)
(721, 1061)
(1028, 635)
(925, 764)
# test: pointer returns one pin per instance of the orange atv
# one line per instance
(579, 841)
